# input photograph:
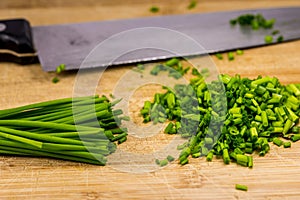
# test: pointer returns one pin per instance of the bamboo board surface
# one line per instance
(275, 176)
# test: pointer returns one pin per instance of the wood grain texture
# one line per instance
(275, 176)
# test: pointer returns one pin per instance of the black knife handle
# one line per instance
(16, 44)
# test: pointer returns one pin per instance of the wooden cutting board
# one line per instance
(275, 176)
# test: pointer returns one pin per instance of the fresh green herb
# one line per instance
(170, 158)
(277, 141)
(219, 56)
(173, 66)
(112, 96)
(239, 52)
(268, 39)
(230, 56)
(241, 187)
(287, 144)
(193, 4)
(258, 111)
(280, 38)
(255, 21)
(55, 80)
(154, 9)
(233, 22)
(60, 68)
(63, 129)
(275, 32)
(163, 162)
(157, 161)
(140, 66)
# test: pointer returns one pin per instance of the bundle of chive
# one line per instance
(83, 129)
(256, 112)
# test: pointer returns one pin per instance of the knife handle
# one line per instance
(16, 44)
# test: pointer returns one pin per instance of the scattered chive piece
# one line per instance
(241, 187)
(230, 56)
(277, 141)
(295, 137)
(287, 144)
(239, 52)
(193, 4)
(280, 38)
(170, 158)
(112, 96)
(173, 66)
(255, 21)
(60, 68)
(154, 9)
(157, 161)
(219, 56)
(275, 32)
(250, 161)
(163, 162)
(233, 22)
(140, 66)
(55, 80)
(268, 39)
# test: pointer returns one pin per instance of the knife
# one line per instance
(70, 44)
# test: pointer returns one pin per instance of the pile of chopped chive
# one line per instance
(231, 117)
(83, 129)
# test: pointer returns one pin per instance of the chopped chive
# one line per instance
(163, 162)
(239, 52)
(226, 157)
(170, 158)
(275, 32)
(233, 21)
(258, 111)
(250, 161)
(55, 80)
(154, 9)
(277, 141)
(280, 38)
(287, 144)
(157, 161)
(268, 39)
(219, 56)
(60, 68)
(209, 156)
(295, 137)
(193, 4)
(241, 187)
(230, 56)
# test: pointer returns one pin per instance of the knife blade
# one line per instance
(70, 44)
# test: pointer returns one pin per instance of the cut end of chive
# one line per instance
(170, 158)
(241, 187)
(192, 4)
(219, 56)
(55, 80)
(268, 39)
(154, 9)
(230, 56)
(280, 38)
(239, 52)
